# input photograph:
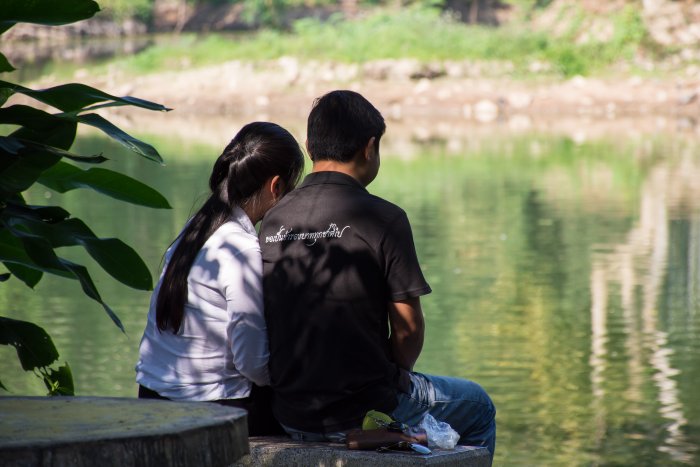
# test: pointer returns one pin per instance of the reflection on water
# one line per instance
(565, 281)
(641, 260)
(36, 58)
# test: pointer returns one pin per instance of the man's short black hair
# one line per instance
(340, 124)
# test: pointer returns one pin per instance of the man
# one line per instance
(342, 295)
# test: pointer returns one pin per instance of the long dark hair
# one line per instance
(259, 151)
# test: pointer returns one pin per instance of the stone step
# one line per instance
(282, 451)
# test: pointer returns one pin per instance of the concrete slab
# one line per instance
(92, 431)
(282, 451)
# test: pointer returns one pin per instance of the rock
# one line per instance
(486, 111)
(401, 70)
(289, 69)
(652, 6)
(262, 101)
(455, 69)
(467, 111)
(422, 86)
(635, 81)
(429, 71)
(688, 98)
(519, 100)
(537, 66)
(395, 111)
(578, 81)
(520, 123)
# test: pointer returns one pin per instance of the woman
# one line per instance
(206, 338)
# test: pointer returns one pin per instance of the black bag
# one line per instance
(384, 438)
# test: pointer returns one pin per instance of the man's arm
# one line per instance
(407, 331)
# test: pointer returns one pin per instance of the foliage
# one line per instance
(37, 151)
(406, 33)
(36, 352)
(266, 12)
(273, 8)
(128, 8)
(571, 58)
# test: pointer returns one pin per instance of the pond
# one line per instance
(565, 280)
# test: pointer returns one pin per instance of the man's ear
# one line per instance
(276, 187)
(370, 149)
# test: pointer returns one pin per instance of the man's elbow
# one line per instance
(414, 330)
(413, 334)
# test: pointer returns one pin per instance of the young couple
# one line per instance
(339, 326)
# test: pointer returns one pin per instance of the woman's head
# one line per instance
(260, 164)
(259, 152)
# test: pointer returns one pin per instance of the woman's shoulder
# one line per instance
(235, 237)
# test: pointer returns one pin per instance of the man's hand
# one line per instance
(407, 330)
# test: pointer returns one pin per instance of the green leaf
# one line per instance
(117, 258)
(15, 259)
(5, 65)
(36, 351)
(48, 214)
(90, 290)
(21, 163)
(11, 146)
(34, 346)
(2, 386)
(59, 130)
(37, 253)
(60, 382)
(128, 141)
(29, 276)
(24, 249)
(64, 177)
(14, 255)
(46, 12)
(4, 95)
(5, 277)
(120, 261)
(39, 126)
(75, 97)
(16, 147)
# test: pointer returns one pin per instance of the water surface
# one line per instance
(565, 280)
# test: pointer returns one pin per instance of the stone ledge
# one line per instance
(100, 431)
(281, 451)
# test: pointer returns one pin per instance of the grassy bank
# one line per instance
(414, 33)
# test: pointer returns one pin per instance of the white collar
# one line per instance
(242, 218)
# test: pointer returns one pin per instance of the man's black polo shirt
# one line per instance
(334, 256)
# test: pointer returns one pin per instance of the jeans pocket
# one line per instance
(422, 390)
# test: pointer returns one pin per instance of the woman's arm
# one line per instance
(247, 329)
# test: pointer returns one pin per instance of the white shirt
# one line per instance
(222, 345)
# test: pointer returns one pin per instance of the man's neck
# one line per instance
(348, 168)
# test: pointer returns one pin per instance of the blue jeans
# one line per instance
(461, 403)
